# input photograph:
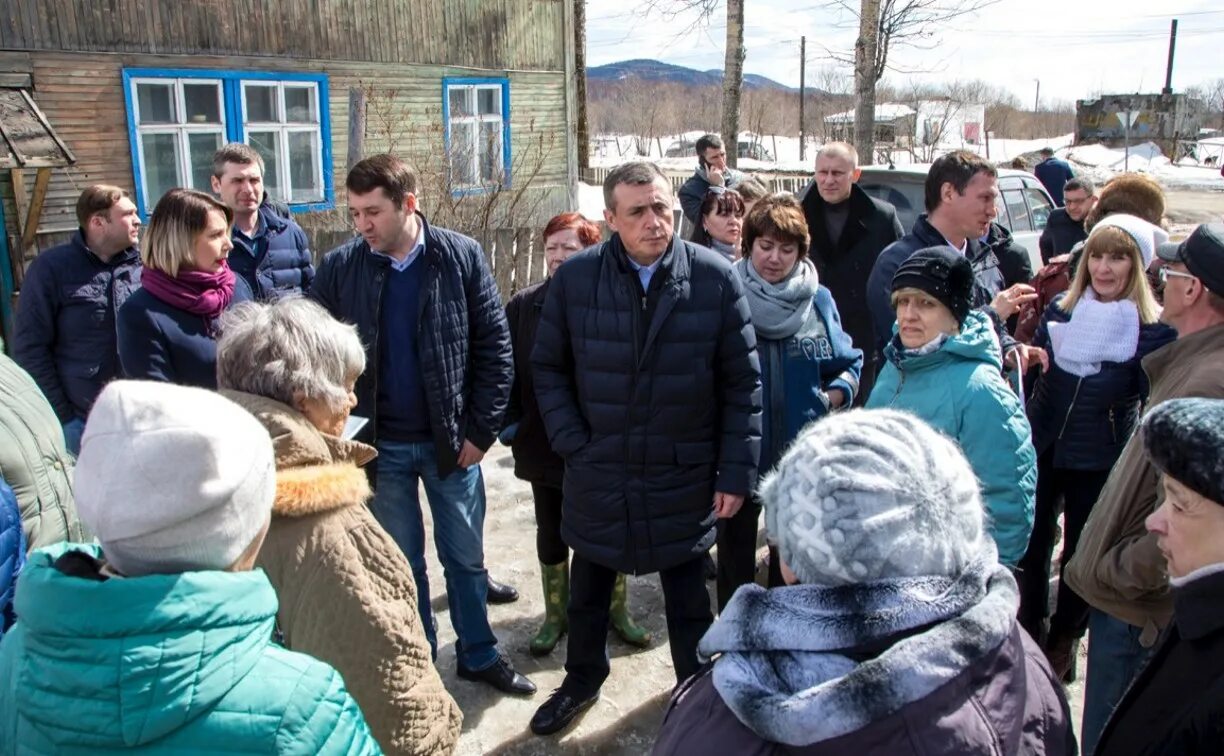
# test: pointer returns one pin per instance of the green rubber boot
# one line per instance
(628, 630)
(555, 578)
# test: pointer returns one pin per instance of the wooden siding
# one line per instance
(82, 96)
(492, 34)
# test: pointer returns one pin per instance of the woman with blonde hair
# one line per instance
(1084, 409)
(167, 330)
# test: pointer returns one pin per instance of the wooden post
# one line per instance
(356, 126)
(34, 215)
(503, 269)
(522, 259)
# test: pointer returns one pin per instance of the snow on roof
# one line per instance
(886, 111)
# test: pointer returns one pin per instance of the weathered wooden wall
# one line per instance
(82, 96)
(494, 34)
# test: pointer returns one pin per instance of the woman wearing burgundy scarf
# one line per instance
(168, 329)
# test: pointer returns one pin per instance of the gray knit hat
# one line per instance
(1185, 439)
(874, 494)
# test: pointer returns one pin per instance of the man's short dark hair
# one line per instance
(1080, 184)
(237, 153)
(634, 174)
(708, 141)
(956, 168)
(97, 200)
(1046, 151)
(386, 172)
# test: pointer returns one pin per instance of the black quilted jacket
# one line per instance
(652, 398)
(465, 355)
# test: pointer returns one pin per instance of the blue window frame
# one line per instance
(476, 114)
(177, 118)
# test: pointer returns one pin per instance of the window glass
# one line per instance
(463, 151)
(261, 103)
(161, 165)
(1001, 211)
(490, 100)
(156, 103)
(202, 102)
(304, 177)
(1041, 207)
(200, 148)
(300, 105)
(490, 152)
(460, 102)
(1018, 211)
(266, 143)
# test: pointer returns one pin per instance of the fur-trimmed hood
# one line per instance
(315, 472)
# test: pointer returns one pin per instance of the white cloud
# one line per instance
(1075, 49)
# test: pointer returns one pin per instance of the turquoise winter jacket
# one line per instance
(162, 664)
(959, 390)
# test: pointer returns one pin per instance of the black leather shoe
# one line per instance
(500, 593)
(561, 708)
(500, 675)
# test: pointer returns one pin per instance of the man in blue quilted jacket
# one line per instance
(437, 383)
(270, 251)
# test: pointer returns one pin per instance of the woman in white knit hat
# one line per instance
(897, 633)
(159, 639)
(1084, 409)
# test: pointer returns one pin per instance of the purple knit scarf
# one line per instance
(196, 291)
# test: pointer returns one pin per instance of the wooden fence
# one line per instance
(775, 182)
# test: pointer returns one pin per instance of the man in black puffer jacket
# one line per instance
(648, 383)
(437, 382)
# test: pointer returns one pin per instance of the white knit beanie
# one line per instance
(874, 494)
(1147, 236)
(173, 479)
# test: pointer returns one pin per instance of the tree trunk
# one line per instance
(580, 89)
(733, 79)
(865, 80)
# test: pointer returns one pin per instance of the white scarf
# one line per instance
(1097, 332)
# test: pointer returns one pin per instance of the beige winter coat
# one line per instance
(347, 596)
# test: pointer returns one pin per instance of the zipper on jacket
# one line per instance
(1113, 429)
(1071, 406)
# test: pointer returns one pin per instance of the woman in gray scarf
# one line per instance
(809, 367)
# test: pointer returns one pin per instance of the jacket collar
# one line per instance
(673, 261)
(1184, 351)
(1197, 609)
(315, 472)
(129, 255)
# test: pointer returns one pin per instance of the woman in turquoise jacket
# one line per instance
(944, 365)
(160, 639)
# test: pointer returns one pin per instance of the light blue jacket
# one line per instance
(161, 664)
(959, 390)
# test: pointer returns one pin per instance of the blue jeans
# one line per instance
(457, 503)
(72, 435)
(1115, 656)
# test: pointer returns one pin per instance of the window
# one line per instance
(476, 114)
(1039, 203)
(178, 118)
(1020, 220)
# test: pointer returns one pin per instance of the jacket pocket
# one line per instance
(696, 453)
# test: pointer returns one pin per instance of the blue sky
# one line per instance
(1075, 49)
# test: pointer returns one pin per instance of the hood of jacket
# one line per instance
(165, 651)
(976, 342)
(315, 472)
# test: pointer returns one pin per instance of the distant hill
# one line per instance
(655, 70)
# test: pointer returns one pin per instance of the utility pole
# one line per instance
(802, 95)
(1037, 97)
(1168, 87)
(580, 89)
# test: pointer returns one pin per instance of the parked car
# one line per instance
(682, 148)
(1024, 205)
(754, 151)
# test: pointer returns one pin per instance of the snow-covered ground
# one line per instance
(1097, 161)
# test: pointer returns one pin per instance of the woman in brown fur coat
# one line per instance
(346, 591)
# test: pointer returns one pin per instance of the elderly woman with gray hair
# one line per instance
(346, 591)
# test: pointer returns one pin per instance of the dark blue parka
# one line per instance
(277, 261)
(798, 372)
(12, 552)
(652, 398)
(160, 342)
(1089, 420)
(65, 330)
(467, 363)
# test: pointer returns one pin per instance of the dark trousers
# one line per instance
(1073, 492)
(550, 549)
(737, 539)
(686, 603)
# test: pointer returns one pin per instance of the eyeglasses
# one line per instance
(1166, 273)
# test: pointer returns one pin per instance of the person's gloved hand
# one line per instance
(508, 433)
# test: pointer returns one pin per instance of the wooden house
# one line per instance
(478, 94)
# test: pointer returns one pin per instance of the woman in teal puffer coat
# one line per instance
(944, 365)
(160, 639)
